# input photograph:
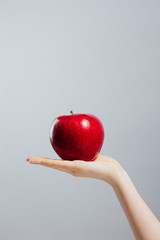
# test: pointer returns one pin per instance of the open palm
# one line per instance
(103, 167)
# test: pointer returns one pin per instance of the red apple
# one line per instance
(77, 136)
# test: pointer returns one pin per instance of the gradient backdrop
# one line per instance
(100, 57)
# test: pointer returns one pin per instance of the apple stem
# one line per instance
(71, 112)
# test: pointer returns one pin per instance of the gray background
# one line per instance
(99, 57)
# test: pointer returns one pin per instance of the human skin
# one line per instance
(144, 224)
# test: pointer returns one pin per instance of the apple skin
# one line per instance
(77, 136)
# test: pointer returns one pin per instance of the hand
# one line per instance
(142, 221)
(103, 167)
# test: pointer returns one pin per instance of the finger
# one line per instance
(37, 160)
(62, 165)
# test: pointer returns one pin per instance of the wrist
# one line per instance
(117, 176)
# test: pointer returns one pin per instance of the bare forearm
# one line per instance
(144, 224)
